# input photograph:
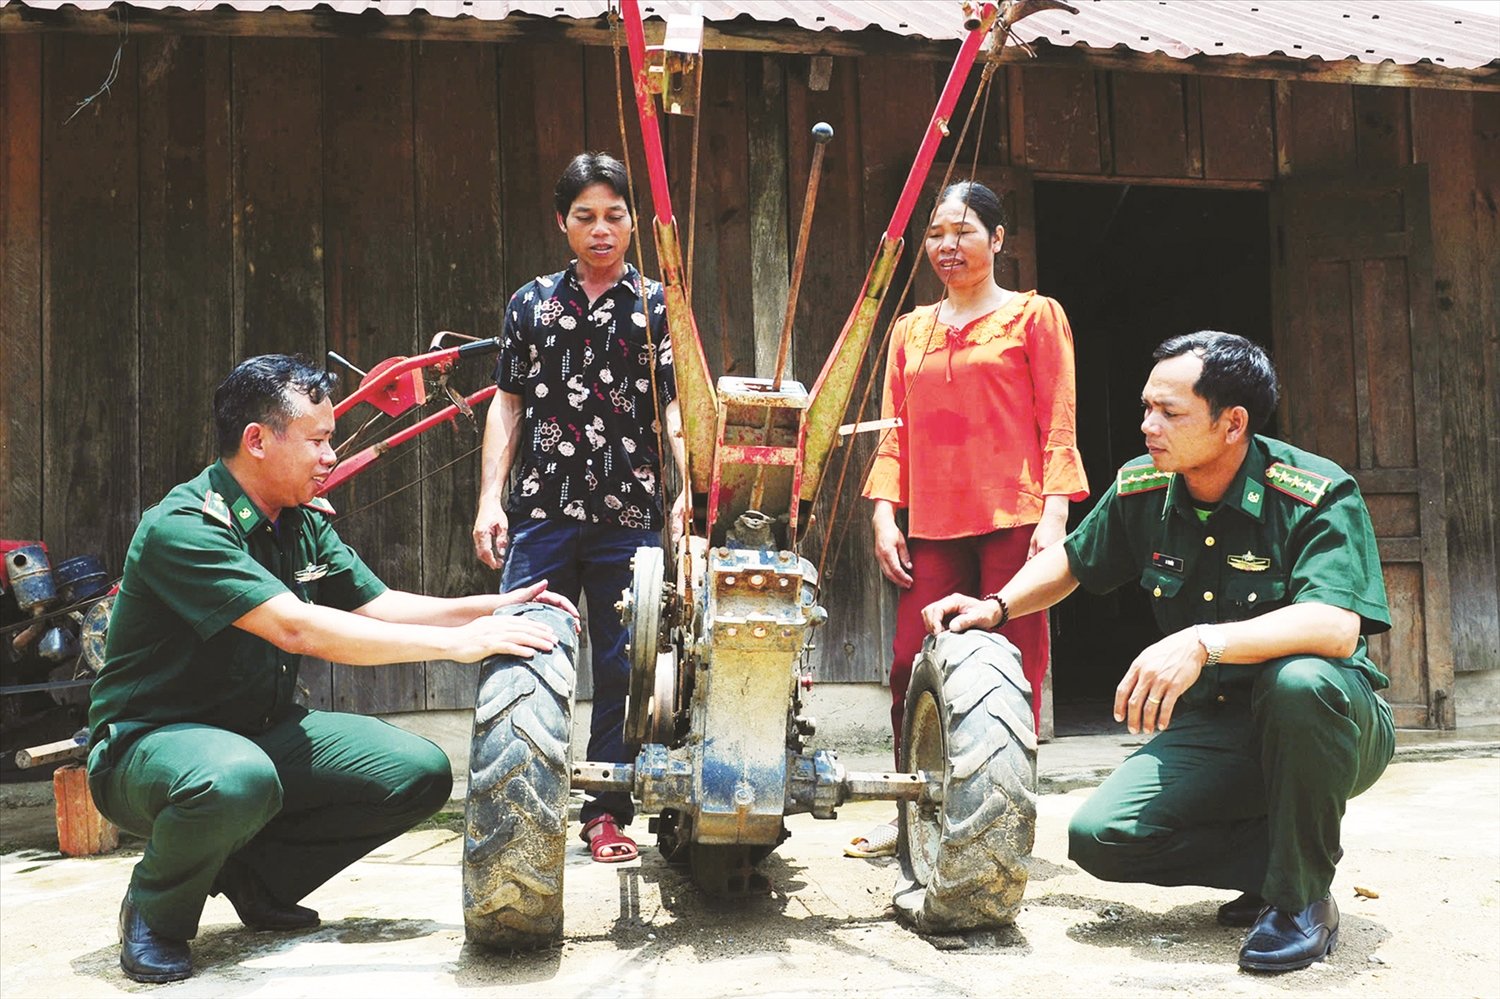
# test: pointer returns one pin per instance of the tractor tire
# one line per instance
(516, 816)
(968, 718)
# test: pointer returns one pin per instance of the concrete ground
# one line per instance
(1425, 841)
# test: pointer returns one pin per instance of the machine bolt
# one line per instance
(757, 580)
(784, 582)
(729, 580)
(760, 631)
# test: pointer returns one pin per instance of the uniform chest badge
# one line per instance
(1249, 562)
(311, 573)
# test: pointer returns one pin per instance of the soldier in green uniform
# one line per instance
(1261, 564)
(197, 742)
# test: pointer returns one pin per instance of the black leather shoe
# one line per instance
(255, 906)
(1242, 911)
(1246, 909)
(1286, 941)
(147, 956)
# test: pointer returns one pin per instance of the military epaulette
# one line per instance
(1141, 479)
(1298, 483)
(321, 505)
(215, 508)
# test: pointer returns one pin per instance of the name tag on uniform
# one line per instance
(1164, 561)
(311, 573)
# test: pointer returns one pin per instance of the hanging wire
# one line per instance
(348, 444)
(403, 488)
(122, 31)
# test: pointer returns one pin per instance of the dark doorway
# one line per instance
(1132, 266)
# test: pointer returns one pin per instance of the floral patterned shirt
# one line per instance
(588, 447)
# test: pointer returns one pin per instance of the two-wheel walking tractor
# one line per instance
(719, 633)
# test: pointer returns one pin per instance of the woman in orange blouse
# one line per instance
(985, 462)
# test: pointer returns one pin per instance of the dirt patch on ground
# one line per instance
(1426, 839)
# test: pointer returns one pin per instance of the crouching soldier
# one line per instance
(1261, 564)
(197, 743)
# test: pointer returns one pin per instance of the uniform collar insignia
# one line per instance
(240, 512)
(1254, 496)
(1249, 562)
(246, 514)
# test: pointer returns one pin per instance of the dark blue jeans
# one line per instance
(592, 560)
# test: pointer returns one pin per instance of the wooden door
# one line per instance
(1355, 348)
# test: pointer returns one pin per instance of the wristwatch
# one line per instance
(1211, 637)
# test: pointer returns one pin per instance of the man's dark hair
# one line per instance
(984, 203)
(259, 390)
(586, 170)
(1236, 372)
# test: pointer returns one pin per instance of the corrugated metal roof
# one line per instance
(1370, 31)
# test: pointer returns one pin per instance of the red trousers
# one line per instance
(965, 565)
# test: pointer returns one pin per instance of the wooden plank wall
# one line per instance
(1458, 136)
(1199, 130)
(236, 196)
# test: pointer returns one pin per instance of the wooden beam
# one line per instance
(1196, 183)
(769, 239)
(731, 36)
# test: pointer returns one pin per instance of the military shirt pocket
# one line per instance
(1161, 585)
(1249, 597)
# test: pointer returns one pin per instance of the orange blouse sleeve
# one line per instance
(1049, 347)
(887, 478)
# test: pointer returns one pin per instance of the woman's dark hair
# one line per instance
(1236, 372)
(983, 202)
(585, 170)
(259, 390)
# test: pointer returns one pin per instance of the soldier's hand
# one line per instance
(538, 593)
(957, 612)
(1147, 696)
(502, 634)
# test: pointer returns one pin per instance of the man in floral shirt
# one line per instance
(585, 368)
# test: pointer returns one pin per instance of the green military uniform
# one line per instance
(1246, 788)
(197, 742)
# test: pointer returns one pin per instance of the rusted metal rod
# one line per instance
(822, 133)
(863, 786)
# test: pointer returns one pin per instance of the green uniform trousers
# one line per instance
(295, 804)
(1245, 793)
